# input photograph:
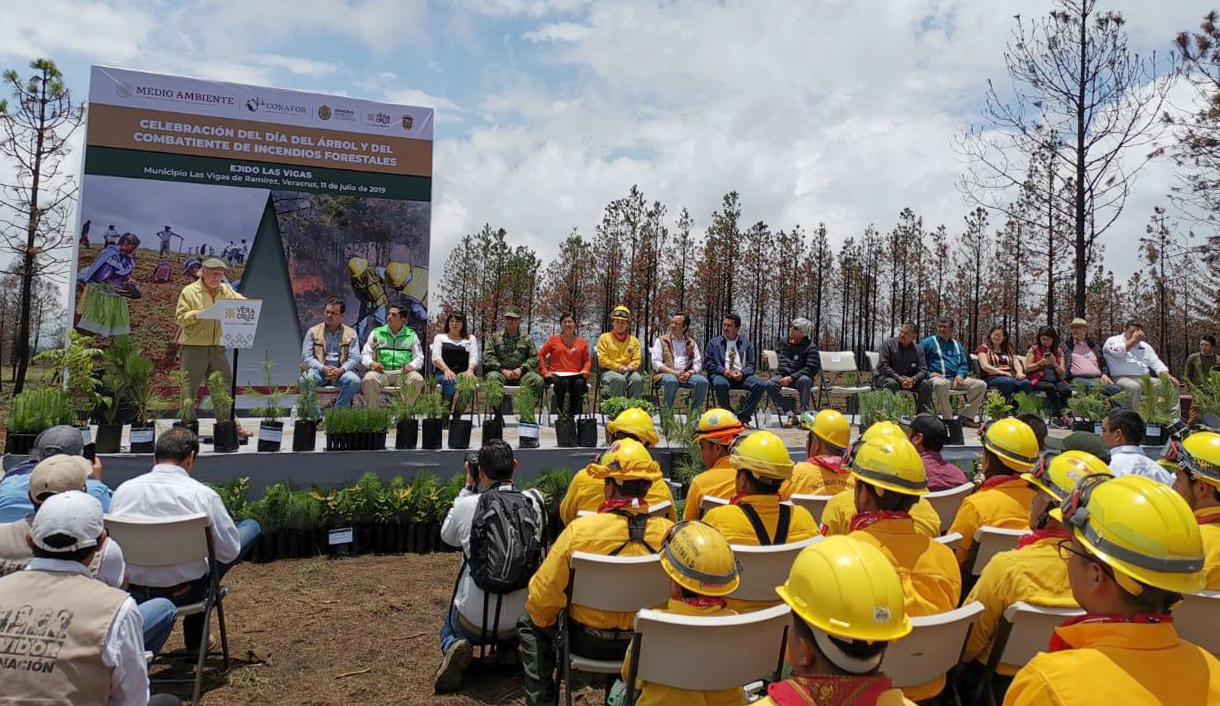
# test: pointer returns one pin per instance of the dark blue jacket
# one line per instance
(713, 355)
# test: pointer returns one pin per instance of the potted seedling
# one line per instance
(679, 436)
(74, 370)
(459, 427)
(305, 428)
(432, 407)
(34, 411)
(375, 425)
(405, 407)
(1205, 407)
(1157, 405)
(187, 419)
(270, 429)
(1030, 403)
(996, 407)
(147, 403)
(123, 365)
(527, 425)
(224, 433)
(1086, 407)
(493, 421)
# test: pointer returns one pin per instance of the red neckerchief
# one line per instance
(867, 519)
(829, 690)
(1058, 643)
(1038, 535)
(624, 504)
(706, 602)
(834, 464)
(996, 481)
(1208, 519)
(736, 499)
(622, 338)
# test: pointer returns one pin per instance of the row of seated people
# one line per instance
(878, 484)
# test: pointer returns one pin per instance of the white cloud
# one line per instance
(300, 65)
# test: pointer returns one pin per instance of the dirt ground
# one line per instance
(360, 630)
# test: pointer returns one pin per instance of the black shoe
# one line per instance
(453, 664)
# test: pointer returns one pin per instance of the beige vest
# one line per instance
(347, 334)
(667, 354)
(53, 630)
(15, 552)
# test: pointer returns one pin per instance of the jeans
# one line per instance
(348, 384)
(1008, 386)
(452, 629)
(752, 385)
(803, 385)
(1057, 393)
(697, 383)
(629, 385)
(195, 591)
(159, 615)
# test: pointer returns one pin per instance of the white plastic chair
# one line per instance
(950, 540)
(1024, 631)
(838, 362)
(615, 584)
(946, 502)
(815, 504)
(707, 653)
(655, 510)
(169, 542)
(707, 502)
(934, 646)
(1197, 619)
(989, 541)
(764, 568)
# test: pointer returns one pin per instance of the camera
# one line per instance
(472, 460)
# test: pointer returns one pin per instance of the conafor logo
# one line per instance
(253, 104)
(124, 90)
(324, 112)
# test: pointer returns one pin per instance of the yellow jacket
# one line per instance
(1209, 527)
(612, 355)
(719, 481)
(816, 478)
(731, 521)
(1034, 574)
(840, 691)
(931, 579)
(650, 694)
(836, 518)
(193, 299)
(588, 493)
(1119, 663)
(1003, 501)
(596, 534)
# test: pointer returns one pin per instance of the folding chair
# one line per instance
(1024, 631)
(934, 646)
(1197, 619)
(169, 542)
(839, 362)
(615, 584)
(707, 653)
(950, 540)
(708, 502)
(946, 503)
(815, 504)
(989, 541)
(764, 568)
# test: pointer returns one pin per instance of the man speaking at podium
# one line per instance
(199, 349)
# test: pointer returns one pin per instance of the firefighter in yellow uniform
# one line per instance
(824, 473)
(588, 493)
(1135, 550)
(847, 606)
(621, 527)
(1197, 479)
(1033, 572)
(1009, 449)
(408, 286)
(718, 429)
(755, 516)
(890, 477)
(702, 571)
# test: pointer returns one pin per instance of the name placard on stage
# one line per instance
(238, 320)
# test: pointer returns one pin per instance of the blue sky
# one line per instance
(837, 111)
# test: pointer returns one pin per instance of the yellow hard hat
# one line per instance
(620, 312)
(637, 423)
(830, 426)
(1140, 528)
(848, 589)
(892, 464)
(357, 265)
(720, 426)
(883, 429)
(397, 274)
(627, 459)
(1013, 442)
(1201, 456)
(699, 559)
(1059, 476)
(763, 454)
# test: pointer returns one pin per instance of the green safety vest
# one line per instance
(393, 351)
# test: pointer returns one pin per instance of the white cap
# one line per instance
(75, 515)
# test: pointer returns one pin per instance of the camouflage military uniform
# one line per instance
(506, 352)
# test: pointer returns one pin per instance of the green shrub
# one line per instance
(35, 410)
(1086, 402)
(340, 420)
(307, 401)
(220, 397)
(526, 405)
(613, 406)
(73, 366)
(1206, 396)
(1029, 403)
(884, 405)
(186, 397)
(553, 484)
(1159, 399)
(493, 395)
(995, 406)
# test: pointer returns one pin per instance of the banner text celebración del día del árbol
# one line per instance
(263, 142)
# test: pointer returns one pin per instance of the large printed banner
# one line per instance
(304, 196)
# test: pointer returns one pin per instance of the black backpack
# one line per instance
(506, 539)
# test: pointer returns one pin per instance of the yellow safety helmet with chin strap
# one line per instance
(699, 559)
(719, 426)
(1200, 457)
(830, 426)
(1140, 528)
(1059, 476)
(763, 454)
(397, 275)
(357, 266)
(1013, 442)
(892, 464)
(626, 459)
(848, 589)
(637, 423)
(883, 429)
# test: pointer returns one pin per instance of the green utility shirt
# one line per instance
(505, 352)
